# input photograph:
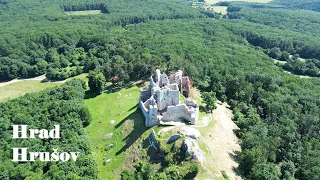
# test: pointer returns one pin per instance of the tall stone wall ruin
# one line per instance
(160, 102)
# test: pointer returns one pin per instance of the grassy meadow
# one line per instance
(127, 128)
(257, 1)
(223, 9)
(129, 141)
(220, 9)
(83, 13)
(20, 88)
(17, 89)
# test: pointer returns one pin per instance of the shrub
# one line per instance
(192, 171)
(127, 175)
(224, 174)
(168, 161)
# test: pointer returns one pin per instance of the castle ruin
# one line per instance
(160, 102)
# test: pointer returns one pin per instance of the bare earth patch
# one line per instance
(222, 142)
(218, 141)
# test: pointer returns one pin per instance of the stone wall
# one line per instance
(181, 112)
(193, 115)
(167, 97)
(178, 77)
(161, 100)
(153, 116)
(185, 86)
(191, 103)
(158, 74)
(162, 97)
(164, 81)
(173, 97)
(145, 94)
(176, 113)
(143, 109)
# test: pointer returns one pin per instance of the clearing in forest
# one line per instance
(220, 9)
(222, 141)
(19, 87)
(223, 9)
(218, 141)
(108, 131)
(255, 1)
(83, 13)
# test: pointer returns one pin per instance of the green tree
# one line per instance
(96, 81)
(266, 172)
(85, 116)
(209, 99)
(193, 171)
(127, 175)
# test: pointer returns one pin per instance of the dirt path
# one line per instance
(222, 142)
(38, 78)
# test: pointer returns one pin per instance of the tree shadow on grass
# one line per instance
(89, 94)
(133, 107)
(237, 132)
(138, 129)
(128, 117)
(153, 154)
(236, 157)
(140, 84)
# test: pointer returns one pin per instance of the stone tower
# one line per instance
(153, 112)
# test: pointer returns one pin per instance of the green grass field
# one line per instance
(83, 13)
(223, 9)
(278, 61)
(17, 89)
(128, 127)
(82, 76)
(220, 9)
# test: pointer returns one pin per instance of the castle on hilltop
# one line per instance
(160, 102)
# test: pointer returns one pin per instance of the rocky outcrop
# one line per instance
(107, 136)
(174, 138)
(190, 148)
(190, 132)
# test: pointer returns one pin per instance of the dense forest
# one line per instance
(62, 105)
(293, 32)
(278, 113)
(31, 46)
(313, 5)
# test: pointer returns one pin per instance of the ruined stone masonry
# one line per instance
(160, 102)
